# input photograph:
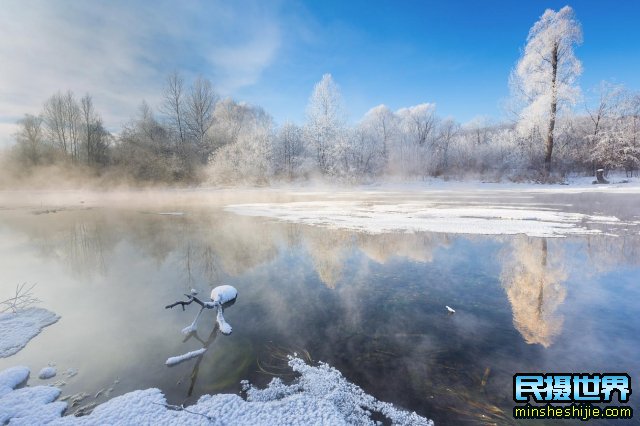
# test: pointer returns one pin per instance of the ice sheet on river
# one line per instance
(379, 218)
(17, 328)
(321, 395)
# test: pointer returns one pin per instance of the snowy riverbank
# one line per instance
(320, 395)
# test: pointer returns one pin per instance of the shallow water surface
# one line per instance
(372, 305)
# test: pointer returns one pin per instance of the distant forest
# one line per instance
(195, 137)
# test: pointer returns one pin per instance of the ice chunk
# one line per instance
(47, 373)
(426, 216)
(17, 328)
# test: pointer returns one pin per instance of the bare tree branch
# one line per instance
(190, 299)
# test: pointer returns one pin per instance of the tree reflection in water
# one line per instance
(533, 282)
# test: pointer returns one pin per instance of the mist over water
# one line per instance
(372, 305)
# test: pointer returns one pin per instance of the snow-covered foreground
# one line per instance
(321, 395)
(17, 328)
(424, 216)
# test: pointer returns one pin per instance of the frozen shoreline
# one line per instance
(320, 395)
(87, 198)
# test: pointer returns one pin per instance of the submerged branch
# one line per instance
(181, 408)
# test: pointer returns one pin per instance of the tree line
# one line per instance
(195, 136)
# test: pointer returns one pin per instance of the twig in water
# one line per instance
(22, 299)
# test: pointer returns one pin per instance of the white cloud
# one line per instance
(241, 65)
(121, 52)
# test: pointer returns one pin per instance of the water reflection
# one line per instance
(533, 280)
(196, 366)
(415, 247)
(328, 251)
(371, 305)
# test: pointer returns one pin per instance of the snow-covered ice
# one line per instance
(184, 357)
(321, 395)
(424, 216)
(17, 328)
(47, 373)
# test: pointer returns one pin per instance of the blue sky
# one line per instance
(456, 54)
(270, 53)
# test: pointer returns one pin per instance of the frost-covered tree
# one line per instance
(609, 100)
(173, 107)
(617, 142)
(145, 150)
(229, 118)
(415, 147)
(61, 115)
(325, 121)
(95, 137)
(633, 132)
(200, 105)
(30, 140)
(447, 131)
(544, 78)
(289, 152)
(246, 155)
(380, 127)
(355, 155)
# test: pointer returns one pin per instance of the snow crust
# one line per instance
(17, 328)
(320, 395)
(428, 217)
(184, 357)
(47, 373)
